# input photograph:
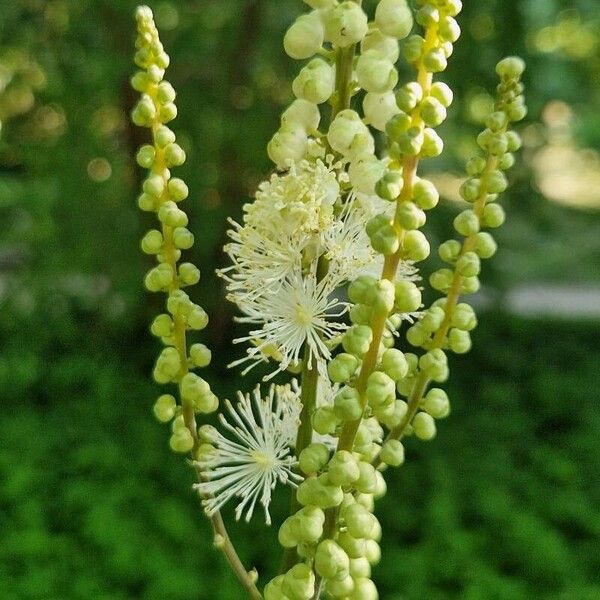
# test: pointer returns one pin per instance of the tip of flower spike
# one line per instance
(143, 13)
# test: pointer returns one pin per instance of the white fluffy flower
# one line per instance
(300, 311)
(249, 463)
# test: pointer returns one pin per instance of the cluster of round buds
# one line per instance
(162, 195)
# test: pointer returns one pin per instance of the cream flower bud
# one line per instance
(424, 426)
(349, 136)
(273, 590)
(436, 403)
(359, 521)
(331, 561)
(347, 405)
(342, 367)
(299, 582)
(343, 469)
(375, 72)
(364, 589)
(379, 109)
(302, 113)
(165, 408)
(345, 24)
(394, 18)
(394, 364)
(384, 44)
(364, 172)
(305, 37)
(407, 297)
(315, 82)
(313, 458)
(289, 144)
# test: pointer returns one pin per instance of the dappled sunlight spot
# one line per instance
(210, 199)
(563, 172)
(99, 170)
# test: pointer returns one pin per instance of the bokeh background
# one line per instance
(503, 505)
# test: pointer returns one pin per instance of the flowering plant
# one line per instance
(323, 267)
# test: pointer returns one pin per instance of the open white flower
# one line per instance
(249, 463)
(299, 312)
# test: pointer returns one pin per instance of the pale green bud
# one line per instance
(468, 264)
(511, 67)
(408, 96)
(496, 182)
(381, 389)
(167, 112)
(154, 185)
(436, 403)
(152, 242)
(411, 142)
(324, 421)
(381, 296)
(183, 238)
(394, 18)
(375, 72)
(433, 319)
(361, 314)
(299, 582)
(177, 189)
(372, 552)
(302, 113)
(384, 44)
(435, 60)
(313, 458)
(145, 156)
(417, 335)
(309, 524)
(459, 341)
(342, 367)
(496, 121)
(354, 547)
(189, 274)
(289, 144)
(470, 190)
(390, 185)
(410, 216)
(200, 355)
(367, 480)
(463, 317)
(140, 81)
(349, 136)
(359, 567)
(339, 588)
(343, 469)
(425, 194)
(192, 387)
(273, 589)
(476, 165)
(466, 223)
(146, 202)
(407, 297)
(181, 441)
(206, 404)
(359, 289)
(164, 136)
(364, 172)
(144, 112)
(395, 417)
(347, 405)
(427, 16)
(434, 363)
(433, 111)
(448, 29)
(485, 245)
(315, 82)
(162, 326)
(424, 426)
(174, 155)
(357, 339)
(331, 561)
(197, 319)
(497, 144)
(450, 250)
(394, 364)
(506, 161)
(493, 215)
(318, 491)
(433, 145)
(470, 285)
(165, 92)
(398, 125)
(286, 534)
(359, 521)
(380, 108)
(158, 278)
(305, 37)
(442, 92)
(364, 589)
(345, 24)
(392, 453)
(172, 216)
(416, 245)
(165, 408)
(413, 48)
(514, 141)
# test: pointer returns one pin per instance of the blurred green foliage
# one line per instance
(92, 505)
